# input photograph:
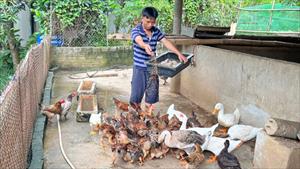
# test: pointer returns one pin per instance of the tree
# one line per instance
(8, 16)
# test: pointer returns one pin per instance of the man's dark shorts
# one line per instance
(139, 85)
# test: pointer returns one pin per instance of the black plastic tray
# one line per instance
(168, 71)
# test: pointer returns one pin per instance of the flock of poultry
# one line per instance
(136, 135)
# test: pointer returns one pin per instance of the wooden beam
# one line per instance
(241, 42)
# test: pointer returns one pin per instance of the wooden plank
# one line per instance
(241, 42)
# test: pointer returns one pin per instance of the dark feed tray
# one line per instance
(166, 71)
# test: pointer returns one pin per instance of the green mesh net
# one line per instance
(254, 21)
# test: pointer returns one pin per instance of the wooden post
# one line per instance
(175, 81)
(282, 128)
(177, 17)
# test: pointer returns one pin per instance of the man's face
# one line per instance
(148, 23)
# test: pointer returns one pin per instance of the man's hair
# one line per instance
(150, 12)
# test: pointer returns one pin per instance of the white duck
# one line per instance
(226, 120)
(243, 132)
(183, 139)
(181, 116)
(204, 130)
(216, 144)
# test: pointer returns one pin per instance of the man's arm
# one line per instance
(142, 44)
(172, 48)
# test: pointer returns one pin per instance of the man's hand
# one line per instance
(182, 58)
(172, 48)
(148, 50)
(141, 43)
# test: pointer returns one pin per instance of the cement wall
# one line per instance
(90, 57)
(234, 78)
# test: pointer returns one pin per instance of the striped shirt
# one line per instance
(139, 54)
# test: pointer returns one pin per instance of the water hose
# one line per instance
(61, 146)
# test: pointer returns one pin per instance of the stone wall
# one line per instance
(90, 57)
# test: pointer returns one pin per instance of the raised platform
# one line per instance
(276, 152)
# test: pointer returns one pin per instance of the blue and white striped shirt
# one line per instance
(139, 54)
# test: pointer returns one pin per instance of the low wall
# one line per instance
(234, 78)
(90, 57)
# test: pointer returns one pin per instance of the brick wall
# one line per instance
(90, 57)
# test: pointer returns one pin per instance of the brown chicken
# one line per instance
(145, 145)
(119, 152)
(193, 122)
(135, 106)
(136, 154)
(174, 124)
(120, 105)
(132, 116)
(196, 157)
(108, 132)
(53, 109)
(159, 151)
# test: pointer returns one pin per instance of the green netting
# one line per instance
(258, 22)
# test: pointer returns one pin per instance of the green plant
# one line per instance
(41, 11)
(210, 12)
(132, 10)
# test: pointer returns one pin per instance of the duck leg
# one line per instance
(212, 159)
(239, 145)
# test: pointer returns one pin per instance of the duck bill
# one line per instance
(215, 111)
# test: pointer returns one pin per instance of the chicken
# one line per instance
(196, 157)
(108, 132)
(135, 106)
(53, 109)
(132, 116)
(145, 145)
(159, 151)
(162, 122)
(136, 127)
(119, 151)
(136, 154)
(193, 122)
(120, 105)
(174, 124)
(67, 105)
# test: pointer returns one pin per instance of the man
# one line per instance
(145, 37)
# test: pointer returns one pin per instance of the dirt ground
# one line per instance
(84, 150)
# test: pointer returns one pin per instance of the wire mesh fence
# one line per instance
(19, 107)
(86, 31)
(90, 30)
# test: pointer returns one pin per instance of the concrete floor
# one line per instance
(84, 150)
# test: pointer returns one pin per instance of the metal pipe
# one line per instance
(271, 15)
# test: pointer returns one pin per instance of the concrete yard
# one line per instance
(84, 150)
